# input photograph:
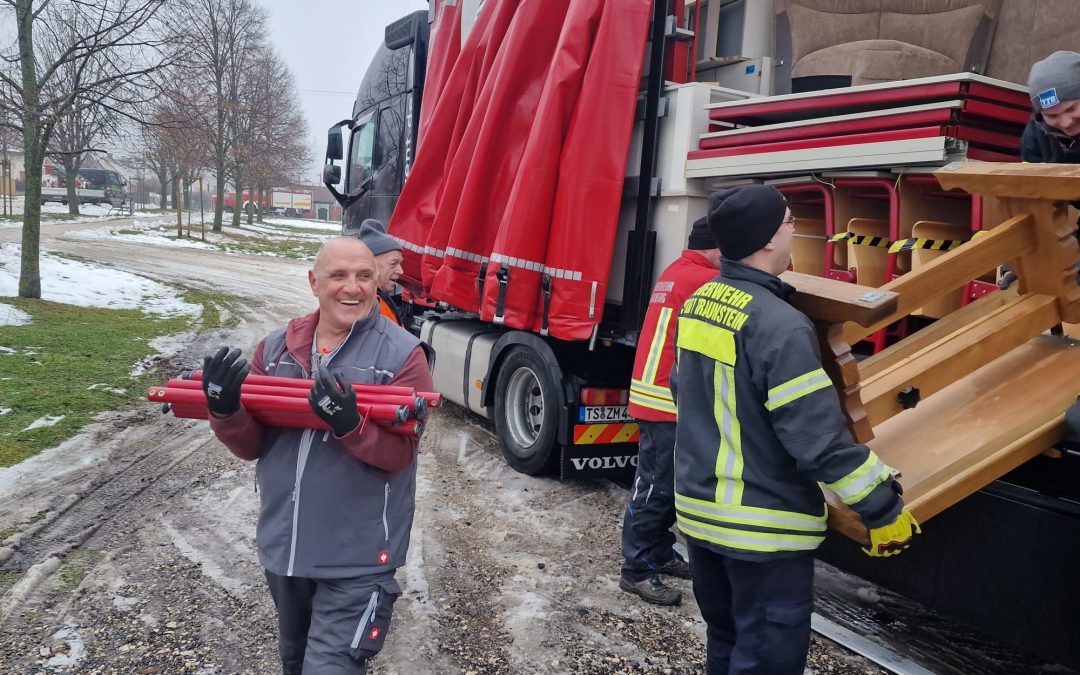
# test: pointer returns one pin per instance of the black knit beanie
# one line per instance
(743, 219)
(701, 236)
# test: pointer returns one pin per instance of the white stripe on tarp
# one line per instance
(498, 258)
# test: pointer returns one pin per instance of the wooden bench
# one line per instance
(974, 395)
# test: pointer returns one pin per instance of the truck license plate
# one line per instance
(603, 413)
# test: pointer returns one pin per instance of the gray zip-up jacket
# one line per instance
(333, 507)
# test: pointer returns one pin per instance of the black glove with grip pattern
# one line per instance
(334, 400)
(222, 375)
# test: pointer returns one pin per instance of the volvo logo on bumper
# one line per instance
(600, 463)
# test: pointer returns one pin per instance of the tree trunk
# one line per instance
(163, 198)
(239, 198)
(71, 175)
(176, 203)
(262, 200)
(219, 178)
(35, 140)
(187, 196)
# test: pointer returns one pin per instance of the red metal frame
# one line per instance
(830, 141)
(830, 129)
(827, 201)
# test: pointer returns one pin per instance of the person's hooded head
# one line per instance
(751, 224)
(1054, 87)
(387, 252)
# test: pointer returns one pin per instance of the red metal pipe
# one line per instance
(417, 405)
(259, 402)
(292, 421)
(434, 399)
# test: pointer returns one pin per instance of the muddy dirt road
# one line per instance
(130, 549)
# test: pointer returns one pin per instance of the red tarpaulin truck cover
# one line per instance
(443, 52)
(522, 164)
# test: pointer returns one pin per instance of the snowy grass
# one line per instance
(55, 213)
(74, 362)
(276, 237)
(89, 285)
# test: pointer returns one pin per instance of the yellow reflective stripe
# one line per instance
(652, 403)
(657, 348)
(752, 515)
(704, 338)
(854, 487)
(747, 540)
(651, 390)
(792, 390)
(729, 460)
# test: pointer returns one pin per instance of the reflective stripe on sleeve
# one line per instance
(855, 486)
(795, 389)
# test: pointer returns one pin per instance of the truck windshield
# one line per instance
(361, 154)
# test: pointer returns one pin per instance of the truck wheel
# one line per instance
(526, 412)
(227, 209)
(290, 213)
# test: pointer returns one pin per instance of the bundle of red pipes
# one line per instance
(283, 402)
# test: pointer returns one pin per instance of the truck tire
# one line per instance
(290, 213)
(526, 412)
(227, 209)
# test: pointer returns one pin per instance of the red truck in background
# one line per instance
(291, 203)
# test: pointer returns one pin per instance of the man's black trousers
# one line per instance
(650, 513)
(757, 613)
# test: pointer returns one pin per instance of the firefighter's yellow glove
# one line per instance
(894, 538)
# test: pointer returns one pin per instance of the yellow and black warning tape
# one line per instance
(861, 240)
(928, 244)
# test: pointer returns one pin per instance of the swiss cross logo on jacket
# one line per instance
(384, 557)
(375, 633)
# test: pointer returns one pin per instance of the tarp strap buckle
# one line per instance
(545, 284)
(503, 276)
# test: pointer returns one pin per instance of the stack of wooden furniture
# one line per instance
(984, 389)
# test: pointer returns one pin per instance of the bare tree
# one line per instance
(116, 42)
(226, 36)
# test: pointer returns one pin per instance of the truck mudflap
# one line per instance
(612, 461)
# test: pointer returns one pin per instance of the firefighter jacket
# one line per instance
(760, 425)
(650, 395)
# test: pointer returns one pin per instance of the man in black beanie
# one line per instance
(646, 537)
(759, 427)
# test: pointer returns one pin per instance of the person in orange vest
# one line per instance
(647, 538)
(387, 251)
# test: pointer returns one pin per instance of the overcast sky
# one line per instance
(328, 44)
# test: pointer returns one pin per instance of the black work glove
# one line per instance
(222, 375)
(334, 401)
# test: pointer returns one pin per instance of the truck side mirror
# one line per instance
(331, 174)
(334, 145)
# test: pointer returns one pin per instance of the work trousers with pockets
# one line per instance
(757, 614)
(646, 536)
(331, 626)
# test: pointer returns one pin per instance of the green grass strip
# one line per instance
(66, 349)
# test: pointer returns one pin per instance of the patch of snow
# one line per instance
(165, 346)
(88, 285)
(123, 602)
(4, 411)
(320, 225)
(209, 567)
(75, 648)
(7, 350)
(9, 316)
(149, 235)
(104, 387)
(46, 421)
